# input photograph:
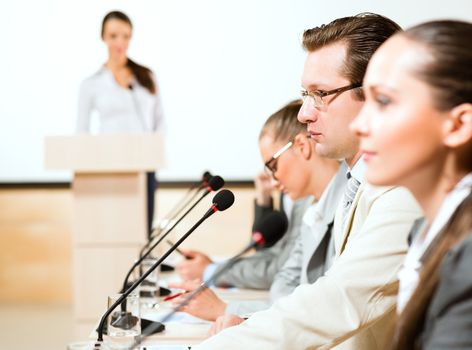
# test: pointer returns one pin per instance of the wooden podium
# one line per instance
(109, 191)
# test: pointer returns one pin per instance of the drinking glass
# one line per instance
(124, 324)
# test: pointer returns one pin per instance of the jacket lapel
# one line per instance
(340, 242)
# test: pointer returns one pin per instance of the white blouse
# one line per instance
(120, 110)
(409, 273)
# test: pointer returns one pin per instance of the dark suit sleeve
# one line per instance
(448, 322)
(260, 212)
(258, 270)
(243, 273)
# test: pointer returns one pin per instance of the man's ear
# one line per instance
(303, 143)
(458, 128)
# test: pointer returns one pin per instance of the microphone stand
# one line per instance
(213, 184)
(143, 256)
(157, 232)
(152, 327)
(270, 231)
(120, 300)
(199, 185)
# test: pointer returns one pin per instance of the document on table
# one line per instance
(180, 317)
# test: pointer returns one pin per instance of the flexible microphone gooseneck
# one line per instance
(183, 203)
(268, 232)
(215, 183)
(199, 185)
(222, 201)
(137, 107)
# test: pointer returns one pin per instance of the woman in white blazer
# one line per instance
(416, 131)
(123, 93)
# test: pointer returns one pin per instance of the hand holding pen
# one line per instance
(173, 296)
(185, 287)
(206, 304)
(193, 266)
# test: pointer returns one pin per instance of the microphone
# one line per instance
(137, 107)
(270, 229)
(207, 183)
(215, 183)
(173, 213)
(222, 201)
(203, 183)
(184, 202)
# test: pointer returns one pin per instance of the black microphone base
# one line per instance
(163, 291)
(156, 326)
(167, 268)
(145, 323)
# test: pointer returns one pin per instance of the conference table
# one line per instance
(183, 329)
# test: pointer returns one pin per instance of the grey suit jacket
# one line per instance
(448, 323)
(258, 270)
(307, 259)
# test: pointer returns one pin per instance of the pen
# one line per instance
(173, 296)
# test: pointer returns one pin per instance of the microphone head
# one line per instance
(223, 200)
(215, 183)
(270, 229)
(206, 177)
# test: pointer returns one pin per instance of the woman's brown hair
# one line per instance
(410, 323)
(142, 74)
(283, 125)
(448, 71)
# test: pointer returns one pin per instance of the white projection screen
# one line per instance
(222, 66)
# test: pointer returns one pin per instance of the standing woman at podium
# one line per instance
(123, 93)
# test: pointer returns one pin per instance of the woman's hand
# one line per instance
(223, 322)
(206, 305)
(263, 188)
(193, 266)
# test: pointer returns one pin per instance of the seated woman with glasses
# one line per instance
(416, 131)
(258, 270)
(297, 171)
(198, 266)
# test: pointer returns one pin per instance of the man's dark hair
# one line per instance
(362, 34)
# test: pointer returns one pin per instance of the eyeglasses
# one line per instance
(316, 97)
(270, 167)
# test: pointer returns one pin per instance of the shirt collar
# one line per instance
(449, 206)
(324, 208)
(358, 170)
(310, 215)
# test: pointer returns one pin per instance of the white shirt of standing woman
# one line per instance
(120, 110)
(409, 273)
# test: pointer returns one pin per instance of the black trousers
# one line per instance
(151, 185)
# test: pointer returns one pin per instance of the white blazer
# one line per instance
(353, 304)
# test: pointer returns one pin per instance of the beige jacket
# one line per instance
(353, 304)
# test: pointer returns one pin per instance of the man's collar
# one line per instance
(358, 170)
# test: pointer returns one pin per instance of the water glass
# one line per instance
(149, 288)
(124, 323)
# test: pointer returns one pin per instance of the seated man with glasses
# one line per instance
(352, 306)
(298, 172)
